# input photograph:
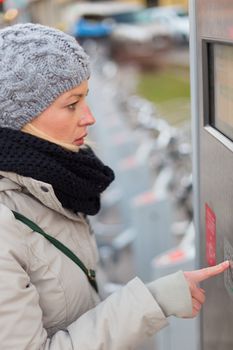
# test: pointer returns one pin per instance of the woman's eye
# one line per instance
(72, 106)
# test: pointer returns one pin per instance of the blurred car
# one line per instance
(140, 47)
(92, 26)
(155, 36)
(147, 32)
(175, 19)
(135, 36)
(151, 23)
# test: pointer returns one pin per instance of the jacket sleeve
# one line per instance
(122, 321)
(132, 314)
(173, 295)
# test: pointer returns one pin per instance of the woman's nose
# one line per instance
(87, 117)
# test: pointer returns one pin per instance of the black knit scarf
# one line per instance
(78, 178)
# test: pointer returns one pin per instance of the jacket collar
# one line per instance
(41, 190)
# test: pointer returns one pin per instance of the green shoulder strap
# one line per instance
(89, 273)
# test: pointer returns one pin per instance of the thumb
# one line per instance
(203, 274)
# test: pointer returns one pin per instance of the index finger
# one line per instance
(203, 274)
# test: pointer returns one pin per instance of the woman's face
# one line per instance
(68, 117)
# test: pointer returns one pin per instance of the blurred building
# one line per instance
(183, 3)
(38, 11)
(46, 12)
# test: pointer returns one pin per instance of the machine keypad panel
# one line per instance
(228, 275)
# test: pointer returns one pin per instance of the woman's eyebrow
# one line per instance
(78, 95)
(66, 100)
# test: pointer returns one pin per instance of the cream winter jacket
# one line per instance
(46, 301)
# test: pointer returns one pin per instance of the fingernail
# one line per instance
(226, 263)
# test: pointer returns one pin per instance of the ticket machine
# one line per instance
(212, 112)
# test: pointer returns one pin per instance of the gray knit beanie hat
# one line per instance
(37, 64)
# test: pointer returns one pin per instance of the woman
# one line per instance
(49, 182)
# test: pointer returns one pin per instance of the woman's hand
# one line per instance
(194, 277)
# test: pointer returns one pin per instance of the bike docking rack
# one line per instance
(149, 215)
(151, 221)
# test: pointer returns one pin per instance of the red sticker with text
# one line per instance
(210, 227)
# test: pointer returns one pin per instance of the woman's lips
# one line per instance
(80, 140)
